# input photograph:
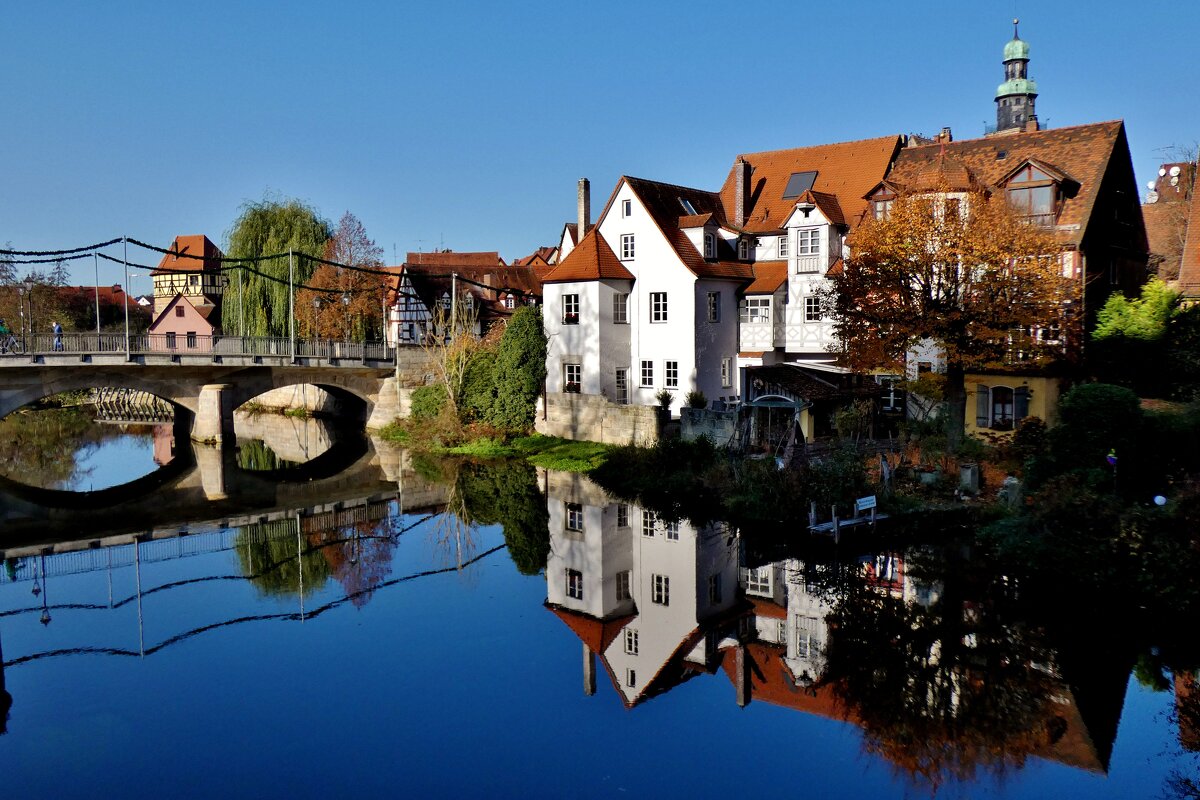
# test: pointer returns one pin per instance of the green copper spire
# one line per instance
(1016, 49)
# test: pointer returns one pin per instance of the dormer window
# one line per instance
(881, 203)
(710, 246)
(743, 249)
(688, 208)
(1035, 195)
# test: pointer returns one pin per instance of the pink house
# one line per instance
(184, 327)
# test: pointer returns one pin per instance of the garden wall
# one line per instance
(591, 418)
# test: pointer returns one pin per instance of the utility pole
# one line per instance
(292, 302)
(125, 297)
(453, 303)
(96, 267)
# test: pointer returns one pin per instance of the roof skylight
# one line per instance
(799, 183)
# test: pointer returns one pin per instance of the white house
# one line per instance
(648, 598)
(647, 300)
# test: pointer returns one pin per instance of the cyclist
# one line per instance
(7, 340)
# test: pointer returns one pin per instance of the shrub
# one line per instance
(664, 399)
(519, 371)
(428, 402)
(696, 399)
(478, 386)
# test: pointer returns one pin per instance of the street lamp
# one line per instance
(29, 300)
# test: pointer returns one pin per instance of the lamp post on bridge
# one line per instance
(29, 302)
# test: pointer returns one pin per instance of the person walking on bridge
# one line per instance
(7, 339)
(57, 329)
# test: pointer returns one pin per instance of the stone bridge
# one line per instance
(205, 389)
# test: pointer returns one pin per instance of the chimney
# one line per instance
(741, 180)
(1032, 125)
(945, 137)
(589, 671)
(585, 209)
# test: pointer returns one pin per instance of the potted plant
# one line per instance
(696, 399)
(572, 387)
(664, 399)
(570, 319)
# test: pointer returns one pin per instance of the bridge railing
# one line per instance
(195, 344)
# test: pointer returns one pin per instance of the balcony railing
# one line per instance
(808, 263)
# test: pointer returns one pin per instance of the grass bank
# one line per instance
(548, 452)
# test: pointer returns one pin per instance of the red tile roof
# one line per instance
(768, 277)
(591, 260)
(597, 634)
(845, 172)
(195, 245)
(452, 260)
(1082, 152)
(1189, 267)
(664, 202)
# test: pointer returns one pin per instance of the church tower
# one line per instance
(1014, 97)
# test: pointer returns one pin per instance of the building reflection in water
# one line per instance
(940, 675)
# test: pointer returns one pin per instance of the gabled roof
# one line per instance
(205, 310)
(597, 634)
(195, 245)
(845, 171)
(591, 260)
(944, 173)
(827, 203)
(1189, 267)
(1082, 152)
(664, 202)
(571, 229)
(768, 277)
(482, 275)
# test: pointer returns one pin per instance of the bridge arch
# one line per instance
(21, 394)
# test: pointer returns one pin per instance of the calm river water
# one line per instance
(306, 619)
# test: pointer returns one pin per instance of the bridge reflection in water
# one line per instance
(291, 531)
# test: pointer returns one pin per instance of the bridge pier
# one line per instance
(210, 463)
(214, 414)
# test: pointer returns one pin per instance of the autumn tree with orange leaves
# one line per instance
(345, 303)
(967, 275)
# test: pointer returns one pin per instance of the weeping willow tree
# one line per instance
(255, 305)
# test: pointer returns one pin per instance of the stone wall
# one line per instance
(590, 417)
(719, 426)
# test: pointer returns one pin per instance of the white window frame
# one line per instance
(726, 372)
(649, 523)
(626, 208)
(573, 517)
(622, 515)
(672, 530)
(573, 374)
(710, 245)
(570, 307)
(743, 249)
(631, 641)
(783, 246)
(621, 308)
(758, 580)
(808, 242)
(510, 302)
(658, 307)
(631, 678)
(714, 306)
(627, 247)
(622, 385)
(671, 374)
(574, 583)
(812, 309)
(660, 590)
(756, 310)
(647, 375)
(624, 585)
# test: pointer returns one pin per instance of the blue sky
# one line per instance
(467, 124)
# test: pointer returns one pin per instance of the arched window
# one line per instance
(1000, 408)
(710, 246)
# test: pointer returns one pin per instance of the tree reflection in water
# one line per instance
(945, 687)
